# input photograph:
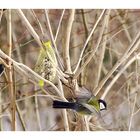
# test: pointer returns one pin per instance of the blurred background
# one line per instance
(33, 107)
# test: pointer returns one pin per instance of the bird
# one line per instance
(83, 105)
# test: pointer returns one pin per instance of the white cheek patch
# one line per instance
(102, 106)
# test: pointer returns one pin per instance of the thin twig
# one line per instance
(28, 72)
(135, 99)
(85, 45)
(86, 123)
(133, 46)
(59, 24)
(20, 117)
(84, 22)
(1, 13)
(92, 53)
(17, 47)
(119, 74)
(37, 20)
(64, 112)
(124, 26)
(136, 112)
(29, 27)
(102, 49)
(131, 117)
(53, 40)
(37, 113)
(83, 73)
(10, 72)
(28, 97)
(1, 123)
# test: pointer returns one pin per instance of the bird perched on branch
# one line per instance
(85, 105)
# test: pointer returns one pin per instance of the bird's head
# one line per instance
(98, 104)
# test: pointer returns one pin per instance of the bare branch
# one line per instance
(29, 27)
(67, 41)
(28, 72)
(10, 72)
(93, 52)
(92, 31)
(59, 24)
(133, 46)
(53, 40)
(134, 58)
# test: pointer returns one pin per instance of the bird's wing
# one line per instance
(91, 108)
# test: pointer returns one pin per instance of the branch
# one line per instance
(92, 31)
(64, 112)
(10, 72)
(93, 52)
(58, 28)
(53, 40)
(30, 73)
(38, 22)
(124, 26)
(102, 49)
(133, 46)
(29, 27)
(67, 41)
(119, 74)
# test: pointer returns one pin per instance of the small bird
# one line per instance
(83, 105)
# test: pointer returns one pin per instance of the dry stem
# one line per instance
(85, 45)
(67, 42)
(10, 73)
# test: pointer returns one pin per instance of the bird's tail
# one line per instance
(61, 104)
